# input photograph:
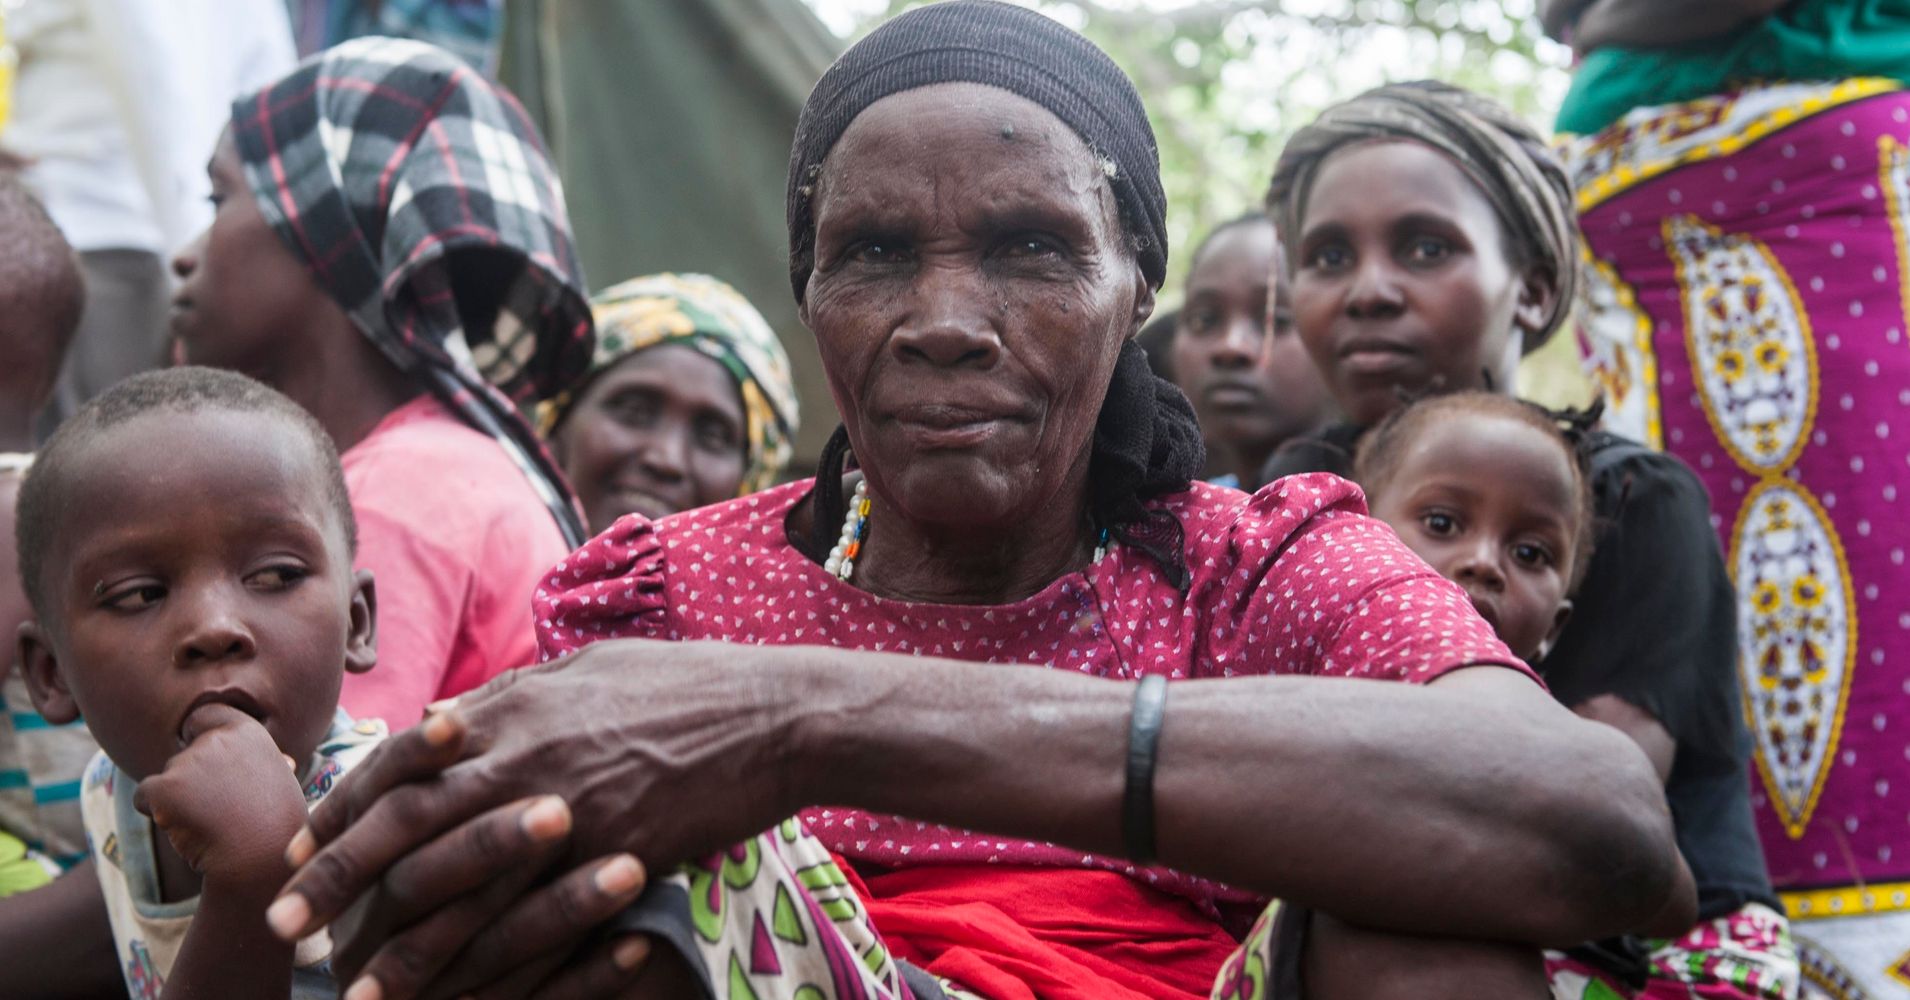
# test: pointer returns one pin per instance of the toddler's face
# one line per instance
(1403, 279)
(198, 560)
(1492, 504)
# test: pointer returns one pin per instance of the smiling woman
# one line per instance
(963, 753)
(688, 401)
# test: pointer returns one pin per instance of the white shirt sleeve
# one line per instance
(175, 66)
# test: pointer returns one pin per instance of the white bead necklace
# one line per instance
(855, 529)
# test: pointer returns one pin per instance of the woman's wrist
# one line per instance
(824, 723)
(1013, 749)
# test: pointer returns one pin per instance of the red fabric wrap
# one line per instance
(1048, 933)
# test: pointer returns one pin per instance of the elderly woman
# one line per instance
(688, 401)
(996, 626)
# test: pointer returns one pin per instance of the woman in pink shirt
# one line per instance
(390, 249)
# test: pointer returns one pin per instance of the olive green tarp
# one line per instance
(670, 121)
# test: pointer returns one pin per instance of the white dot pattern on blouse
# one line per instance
(1292, 580)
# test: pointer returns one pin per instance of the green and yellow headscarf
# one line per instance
(709, 316)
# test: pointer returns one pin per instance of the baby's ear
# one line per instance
(1559, 619)
(40, 666)
(361, 646)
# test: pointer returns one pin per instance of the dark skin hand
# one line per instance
(501, 947)
(985, 749)
(1647, 24)
(226, 804)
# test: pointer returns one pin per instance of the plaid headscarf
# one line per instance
(714, 319)
(423, 201)
(1505, 157)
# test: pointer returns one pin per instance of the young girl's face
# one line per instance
(1492, 504)
(1404, 280)
(204, 564)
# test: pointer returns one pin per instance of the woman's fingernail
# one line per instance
(547, 819)
(619, 876)
(366, 988)
(300, 849)
(630, 953)
(439, 729)
(288, 915)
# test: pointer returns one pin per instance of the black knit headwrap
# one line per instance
(1146, 441)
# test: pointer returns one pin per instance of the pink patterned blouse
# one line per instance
(1294, 579)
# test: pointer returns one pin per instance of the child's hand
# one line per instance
(229, 801)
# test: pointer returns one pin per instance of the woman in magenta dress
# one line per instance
(973, 631)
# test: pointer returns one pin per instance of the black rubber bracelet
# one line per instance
(1143, 746)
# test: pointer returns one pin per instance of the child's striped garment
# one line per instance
(40, 763)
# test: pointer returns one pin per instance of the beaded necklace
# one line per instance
(855, 529)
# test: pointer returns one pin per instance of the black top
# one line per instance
(1655, 623)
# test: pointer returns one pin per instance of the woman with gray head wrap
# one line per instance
(1431, 240)
(1471, 262)
(1510, 162)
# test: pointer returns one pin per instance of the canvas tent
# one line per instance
(670, 121)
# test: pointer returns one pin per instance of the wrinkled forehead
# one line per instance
(971, 142)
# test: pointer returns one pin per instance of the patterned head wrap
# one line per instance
(1505, 157)
(423, 201)
(705, 314)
